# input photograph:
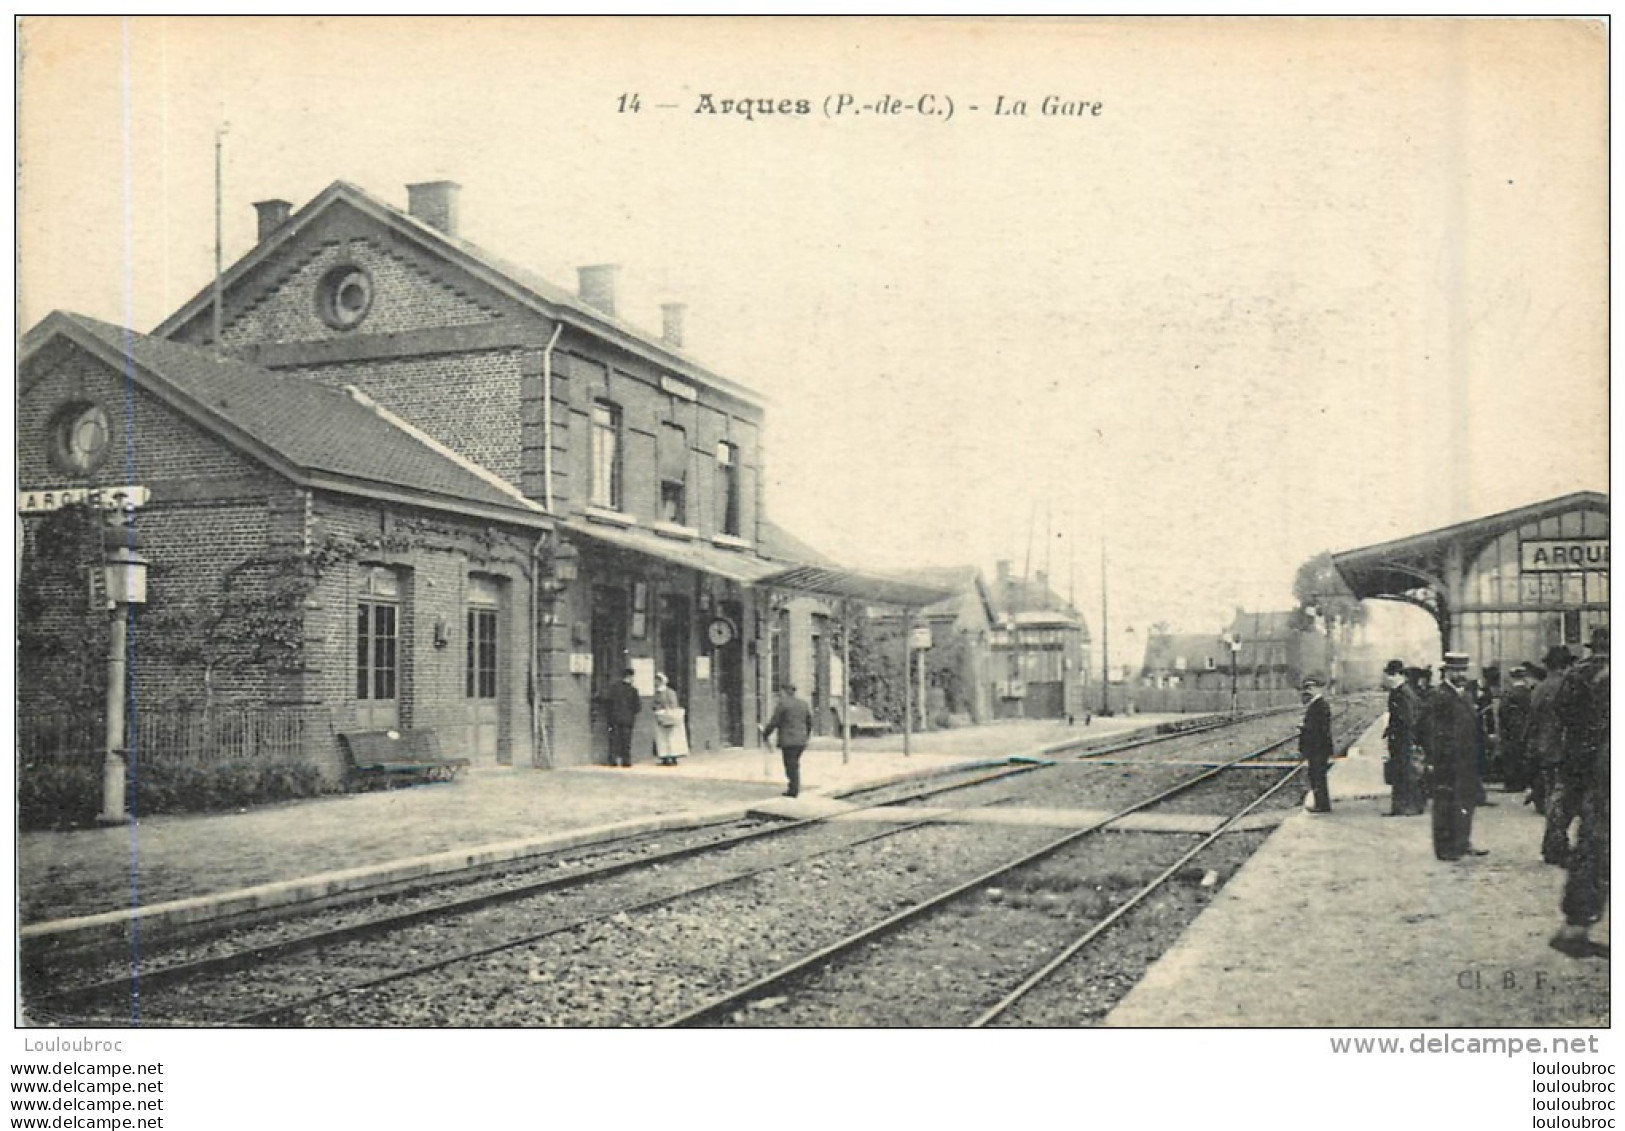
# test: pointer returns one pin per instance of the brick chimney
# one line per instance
(273, 214)
(597, 285)
(435, 203)
(672, 323)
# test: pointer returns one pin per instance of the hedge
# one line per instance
(62, 795)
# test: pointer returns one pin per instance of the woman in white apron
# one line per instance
(671, 725)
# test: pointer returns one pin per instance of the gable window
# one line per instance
(673, 474)
(606, 455)
(728, 486)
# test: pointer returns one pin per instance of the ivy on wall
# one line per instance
(252, 620)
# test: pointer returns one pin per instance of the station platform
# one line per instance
(1340, 920)
(173, 870)
(1346, 920)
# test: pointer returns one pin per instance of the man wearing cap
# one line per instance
(622, 704)
(1514, 722)
(1403, 769)
(1452, 748)
(1315, 741)
(1543, 744)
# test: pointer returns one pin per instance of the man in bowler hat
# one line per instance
(1403, 770)
(1315, 741)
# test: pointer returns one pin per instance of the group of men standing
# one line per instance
(1552, 729)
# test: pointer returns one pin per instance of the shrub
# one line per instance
(58, 795)
(65, 795)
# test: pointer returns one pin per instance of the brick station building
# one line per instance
(497, 493)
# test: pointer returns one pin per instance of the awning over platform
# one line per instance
(831, 581)
(1423, 561)
(692, 553)
(744, 567)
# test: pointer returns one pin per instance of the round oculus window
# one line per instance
(80, 434)
(344, 297)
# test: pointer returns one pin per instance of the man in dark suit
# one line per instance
(1315, 741)
(622, 705)
(1403, 770)
(1452, 749)
(792, 721)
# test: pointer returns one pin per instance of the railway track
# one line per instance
(338, 975)
(820, 973)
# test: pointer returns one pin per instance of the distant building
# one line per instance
(1275, 653)
(1040, 650)
(1200, 661)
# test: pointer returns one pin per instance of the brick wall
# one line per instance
(405, 296)
(581, 380)
(468, 401)
(434, 556)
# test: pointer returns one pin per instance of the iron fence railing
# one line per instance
(190, 736)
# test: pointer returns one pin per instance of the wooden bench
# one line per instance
(862, 720)
(397, 757)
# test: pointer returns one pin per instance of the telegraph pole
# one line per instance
(1105, 641)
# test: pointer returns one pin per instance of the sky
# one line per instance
(1275, 287)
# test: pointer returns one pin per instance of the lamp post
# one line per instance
(1233, 640)
(124, 576)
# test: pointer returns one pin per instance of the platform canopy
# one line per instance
(1503, 587)
(831, 581)
(1396, 570)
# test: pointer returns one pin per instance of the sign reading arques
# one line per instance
(1564, 555)
(107, 498)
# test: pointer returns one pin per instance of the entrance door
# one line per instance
(482, 710)
(609, 627)
(728, 669)
(675, 636)
(377, 651)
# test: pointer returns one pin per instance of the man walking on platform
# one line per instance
(1452, 749)
(1315, 741)
(1404, 767)
(792, 720)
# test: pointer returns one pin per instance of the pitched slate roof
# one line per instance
(774, 541)
(518, 282)
(968, 590)
(318, 436)
(1163, 651)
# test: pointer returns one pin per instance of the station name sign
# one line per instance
(105, 498)
(1564, 555)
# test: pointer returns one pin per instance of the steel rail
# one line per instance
(721, 1004)
(58, 1004)
(1044, 972)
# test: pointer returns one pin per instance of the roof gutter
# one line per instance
(547, 417)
